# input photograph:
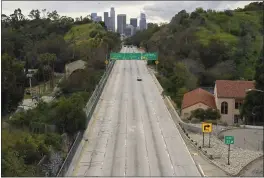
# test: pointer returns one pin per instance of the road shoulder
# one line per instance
(207, 168)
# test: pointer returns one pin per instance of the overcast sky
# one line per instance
(156, 11)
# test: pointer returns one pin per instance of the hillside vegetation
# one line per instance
(47, 43)
(197, 48)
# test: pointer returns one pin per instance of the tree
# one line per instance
(47, 61)
(34, 14)
(253, 106)
(13, 80)
(206, 114)
(53, 15)
(70, 115)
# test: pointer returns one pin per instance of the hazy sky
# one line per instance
(156, 11)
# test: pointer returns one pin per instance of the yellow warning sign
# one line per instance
(207, 127)
(156, 62)
(106, 61)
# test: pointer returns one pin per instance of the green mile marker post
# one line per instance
(228, 141)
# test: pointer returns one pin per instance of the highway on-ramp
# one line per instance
(131, 132)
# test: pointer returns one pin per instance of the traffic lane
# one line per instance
(137, 159)
(159, 159)
(118, 158)
(75, 167)
(171, 134)
(114, 163)
(181, 159)
(107, 165)
(115, 153)
(93, 153)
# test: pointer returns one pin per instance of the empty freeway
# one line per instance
(131, 132)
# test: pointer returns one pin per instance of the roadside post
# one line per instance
(228, 141)
(207, 128)
(106, 62)
(30, 85)
(156, 62)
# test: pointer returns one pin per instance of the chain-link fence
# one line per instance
(89, 109)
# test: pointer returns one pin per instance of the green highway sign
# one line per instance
(125, 56)
(229, 140)
(149, 56)
(116, 55)
(133, 56)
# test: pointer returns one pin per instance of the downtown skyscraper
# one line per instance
(112, 20)
(106, 19)
(133, 22)
(121, 23)
(142, 22)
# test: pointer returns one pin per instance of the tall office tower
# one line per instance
(93, 16)
(133, 22)
(112, 19)
(142, 21)
(121, 23)
(106, 19)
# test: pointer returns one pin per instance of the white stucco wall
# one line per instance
(229, 117)
(186, 112)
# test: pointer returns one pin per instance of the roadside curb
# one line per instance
(184, 136)
(245, 167)
(200, 151)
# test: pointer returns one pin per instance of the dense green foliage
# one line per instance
(22, 151)
(12, 82)
(47, 43)
(253, 107)
(66, 113)
(211, 45)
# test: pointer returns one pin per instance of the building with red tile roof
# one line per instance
(196, 99)
(233, 89)
(229, 96)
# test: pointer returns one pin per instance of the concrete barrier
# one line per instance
(252, 127)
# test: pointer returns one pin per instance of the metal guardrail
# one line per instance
(89, 109)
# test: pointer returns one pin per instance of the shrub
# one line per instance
(208, 114)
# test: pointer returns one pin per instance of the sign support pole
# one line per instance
(207, 128)
(203, 139)
(228, 155)
(209, 139)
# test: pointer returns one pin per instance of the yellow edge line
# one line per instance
(78, 162)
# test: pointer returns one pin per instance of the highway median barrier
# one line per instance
(89, 109)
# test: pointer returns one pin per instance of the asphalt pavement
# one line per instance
(132, 133)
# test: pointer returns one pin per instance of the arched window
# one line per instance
(224, 108)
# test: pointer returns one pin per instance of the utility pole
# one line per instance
(30, 85)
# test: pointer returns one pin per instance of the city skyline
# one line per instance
(121, 21)
(156, 11)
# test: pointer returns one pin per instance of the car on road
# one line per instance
(139, 79)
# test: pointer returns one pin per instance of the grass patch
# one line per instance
(81, 33)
